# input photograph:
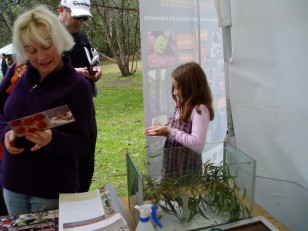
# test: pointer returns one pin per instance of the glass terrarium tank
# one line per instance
(220, 192)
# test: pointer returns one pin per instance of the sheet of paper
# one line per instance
(80, 209)
(85, 212)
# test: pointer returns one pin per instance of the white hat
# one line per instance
(79, 8)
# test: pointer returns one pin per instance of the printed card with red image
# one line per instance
(43, 120)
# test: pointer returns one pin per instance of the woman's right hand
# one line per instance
(9, 142)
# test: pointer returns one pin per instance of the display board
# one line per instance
(134, 187)
(173, 33)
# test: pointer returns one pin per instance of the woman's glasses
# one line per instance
(83, 18)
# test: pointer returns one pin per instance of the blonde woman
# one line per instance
(43, 163)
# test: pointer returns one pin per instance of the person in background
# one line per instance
(73, 14)
(187, 130)
(4, 64)
(39, 166)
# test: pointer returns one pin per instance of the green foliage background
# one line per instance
(120, 121)
(120, 16)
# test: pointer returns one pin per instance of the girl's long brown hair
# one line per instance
(194, 89)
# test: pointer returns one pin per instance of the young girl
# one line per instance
(187, 130)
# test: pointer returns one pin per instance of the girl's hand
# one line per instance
(158, 130)
(40, 138)
(9, 142)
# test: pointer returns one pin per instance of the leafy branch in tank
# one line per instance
(215, 189)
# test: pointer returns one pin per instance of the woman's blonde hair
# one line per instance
(29, 27)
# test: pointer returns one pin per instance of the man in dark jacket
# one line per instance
(73, 13)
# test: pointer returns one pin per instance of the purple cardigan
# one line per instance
(52, 169)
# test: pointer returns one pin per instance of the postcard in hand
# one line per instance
(42, 120)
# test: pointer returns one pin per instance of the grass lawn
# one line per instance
(120, 121)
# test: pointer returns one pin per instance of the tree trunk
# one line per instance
(115, 44)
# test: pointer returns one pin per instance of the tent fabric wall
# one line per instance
(268, 97)
(8, 49)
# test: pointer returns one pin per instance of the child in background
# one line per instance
(187, 129)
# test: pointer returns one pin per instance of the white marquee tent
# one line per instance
(266, 55)
(8, 49)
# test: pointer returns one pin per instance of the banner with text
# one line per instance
(174, 32)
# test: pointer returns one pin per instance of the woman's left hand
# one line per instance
(40, 138)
